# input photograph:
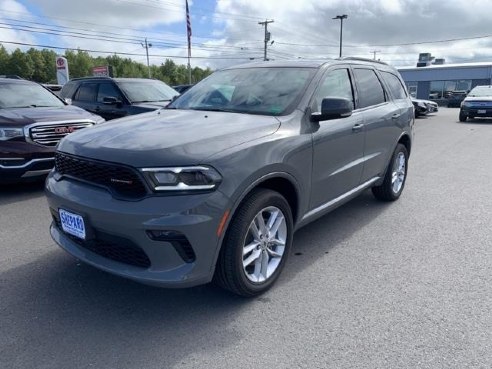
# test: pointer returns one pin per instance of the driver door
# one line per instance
(338, 144)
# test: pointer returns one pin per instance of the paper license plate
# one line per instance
(481, 111)
(72, 223)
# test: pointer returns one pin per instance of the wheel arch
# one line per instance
(281, 182)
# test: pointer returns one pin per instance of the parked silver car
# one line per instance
(214, 186)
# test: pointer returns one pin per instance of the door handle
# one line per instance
(395, 116)
(357, 127)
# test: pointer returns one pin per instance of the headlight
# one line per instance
(422, 105)
(200, 178)
(9, 133)
(466, 104)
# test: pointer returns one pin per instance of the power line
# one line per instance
(120, 52)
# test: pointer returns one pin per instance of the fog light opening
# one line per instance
(178, 240)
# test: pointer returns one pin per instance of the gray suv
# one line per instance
(214, 186)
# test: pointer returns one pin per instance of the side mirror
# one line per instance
(67, 101)
(333, 108)
(110, 100)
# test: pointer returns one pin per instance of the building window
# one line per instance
(445, 89)
(436, 88)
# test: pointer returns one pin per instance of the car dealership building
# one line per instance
(438, 82)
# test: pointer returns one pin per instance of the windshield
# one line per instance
(147, 91)
(26, 95)
(481, 91)
(267, 91)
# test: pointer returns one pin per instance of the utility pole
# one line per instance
(147, 45)
(341, 17)
(267, 36)
(374, 52)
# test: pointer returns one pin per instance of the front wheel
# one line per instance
(396, 175)
(256, 244)
(462, 117)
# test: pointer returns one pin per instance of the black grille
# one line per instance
(120, 180)
(112, 247)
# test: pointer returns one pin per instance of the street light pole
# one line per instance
(341, 17)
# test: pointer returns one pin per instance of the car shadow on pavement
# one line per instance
(57, 312)
(316, 240)
(14, 192)
(484, 121)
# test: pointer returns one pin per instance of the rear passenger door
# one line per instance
(380, 117)
(337, 144)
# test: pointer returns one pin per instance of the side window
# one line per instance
(68, 90)
(335, 84)
(86, 92)
(107, 90)
(394, 84)
(370, 91)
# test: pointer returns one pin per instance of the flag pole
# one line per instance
(188, 33)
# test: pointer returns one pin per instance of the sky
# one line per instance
(226, 32)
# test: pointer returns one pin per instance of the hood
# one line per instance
(21, 117)
(478, 98)
(168, 137)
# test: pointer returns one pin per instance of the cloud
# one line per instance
(13, 9)
(371, 25)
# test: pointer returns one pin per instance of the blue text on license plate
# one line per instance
(72, 223)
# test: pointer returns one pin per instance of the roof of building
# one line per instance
(444, 66)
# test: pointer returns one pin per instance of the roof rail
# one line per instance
(362, 59)
(90, 77)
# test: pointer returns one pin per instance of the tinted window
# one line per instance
(68, 90)
(147, 90)
(267, 91)
(86, 92)
(394, 85)
(370, 91)
(107, 90)
(335, 84)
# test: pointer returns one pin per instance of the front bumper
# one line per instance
(196, 217)
(23, 160)
(477, 112)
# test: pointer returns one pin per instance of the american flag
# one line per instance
(188, 28)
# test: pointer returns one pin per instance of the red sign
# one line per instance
(60, 63)
(101, 71)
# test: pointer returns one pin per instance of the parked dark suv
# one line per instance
(32, 122)
(117, 97)
(214, 186)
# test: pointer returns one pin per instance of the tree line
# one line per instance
(39, 66)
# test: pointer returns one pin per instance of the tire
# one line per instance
(265, 265)
(395, 177)
(462, 117)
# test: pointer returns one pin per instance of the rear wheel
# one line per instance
(396, 175)
(256, 244)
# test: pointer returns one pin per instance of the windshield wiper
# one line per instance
(215, 109)
(151, 101)
(31, 106)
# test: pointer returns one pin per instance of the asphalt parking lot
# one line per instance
(371, 285)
